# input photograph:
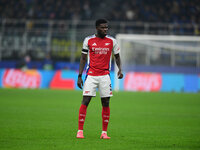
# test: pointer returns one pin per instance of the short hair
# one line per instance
(100, 21)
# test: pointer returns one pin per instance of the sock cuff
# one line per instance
(83, 106)
(106, 108)
(80, 130)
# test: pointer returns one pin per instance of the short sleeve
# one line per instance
(85, 48)
(116, 48)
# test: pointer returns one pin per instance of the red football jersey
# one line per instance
(99, 54)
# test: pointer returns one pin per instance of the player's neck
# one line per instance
(99, 36)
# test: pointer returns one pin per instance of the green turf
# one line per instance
(48, 120)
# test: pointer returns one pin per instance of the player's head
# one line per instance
(102, 27)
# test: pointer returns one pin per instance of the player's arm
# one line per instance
(81, 68)
(118, 62)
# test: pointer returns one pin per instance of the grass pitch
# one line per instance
(48, 120)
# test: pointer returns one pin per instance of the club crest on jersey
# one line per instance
(87, 92)
(106, 44)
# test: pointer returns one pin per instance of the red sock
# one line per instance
(105, 117)
(81, 117)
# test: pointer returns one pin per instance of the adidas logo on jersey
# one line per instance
(94, 44)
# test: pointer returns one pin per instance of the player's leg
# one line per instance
(105, 116)
(105, 113)
(82, 115)
(86, 100)
(105, 93)
(83, 111)
(89, 90)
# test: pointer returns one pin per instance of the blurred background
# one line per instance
(48, 34)
(40, 49)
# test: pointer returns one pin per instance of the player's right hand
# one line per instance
(80, 82)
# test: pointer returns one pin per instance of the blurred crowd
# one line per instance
(169, 11)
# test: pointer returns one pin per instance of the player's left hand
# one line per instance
(120, 74)
(80, 82)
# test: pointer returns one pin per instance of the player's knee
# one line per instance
(86, 100)
(105, 102)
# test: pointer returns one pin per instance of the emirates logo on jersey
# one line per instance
(100, 50)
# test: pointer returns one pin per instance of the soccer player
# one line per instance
(98, 48)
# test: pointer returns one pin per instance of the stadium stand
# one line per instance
(57, 27)
(170, 11)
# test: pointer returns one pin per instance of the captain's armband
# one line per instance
(85, 51)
